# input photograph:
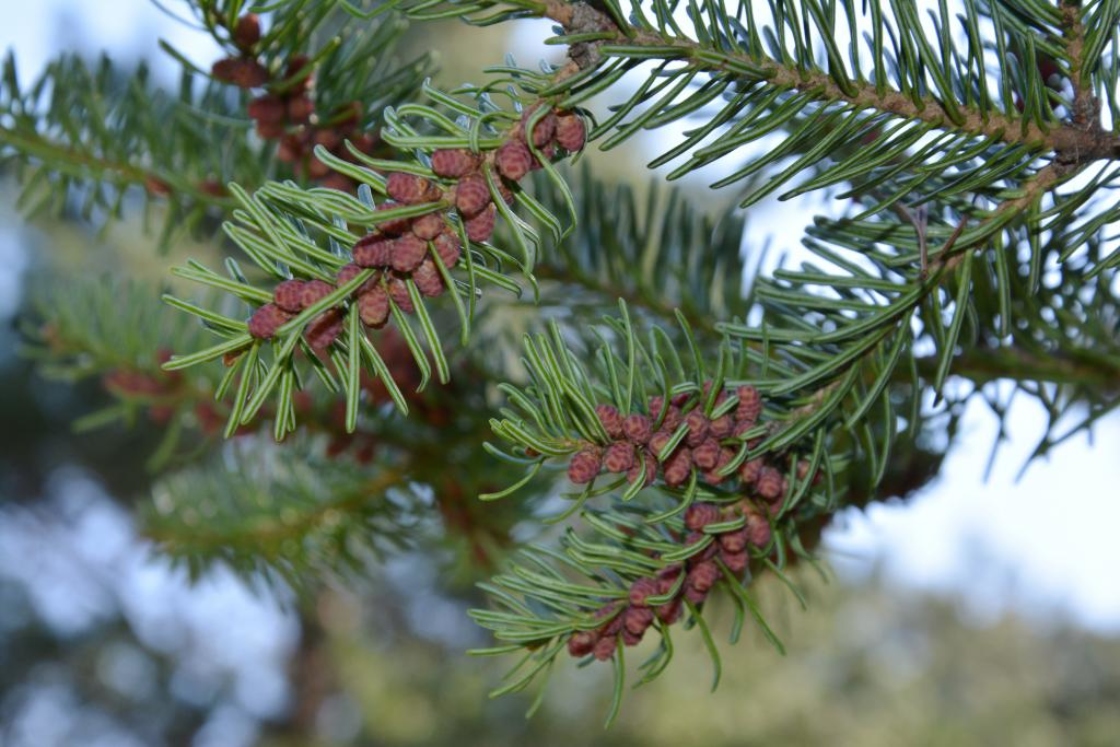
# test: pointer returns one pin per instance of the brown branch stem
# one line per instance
(985, 364)
(1079, 142)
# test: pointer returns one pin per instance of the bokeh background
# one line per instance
(983, 611)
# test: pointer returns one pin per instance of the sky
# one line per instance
(1044, 545)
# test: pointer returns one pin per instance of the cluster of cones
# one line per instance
(661, 597)
(708, 447)
(372, 298)
(720, 536)
(286, 111)
(414, 248)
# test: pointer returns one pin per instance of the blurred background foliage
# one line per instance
(100, 644)
(384, 664)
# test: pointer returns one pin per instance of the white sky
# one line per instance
(1047, 545)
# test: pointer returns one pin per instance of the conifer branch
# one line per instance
(87, 166)
(704, 452)
(267, 535)
(982, 365)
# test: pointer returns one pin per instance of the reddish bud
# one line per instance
(288, 295)
(694, 595)
(734, 541)
(329, 138)
(213, 188)
(292, 148)
(659, 441)
(703, 575)
(247, 32)
(771, 484)
(697, 423)
(209, 420)
(700, 515)
(619, 457)
(582, 642)
(706, 455)
(670, 612)
(266, 320)
(429, 226)
(513, 160)
(393, 226)
(160, 414)
(721, 427)
(157, 186)
(629, 638)
(346, 273)
(324, 330)
(472, 195)
(678, 467)
(637, 428)
(398, 292)
(454, 163)
(605, 648)
(480, 227)
(373, 307)
(646, 464)
(410, 189)
(300, 109)
(448, 248)
(270, 130)
(548, 152)
(736, 562)
(295, 67)
(585, 466)
(365, 142)
(240, 71)
(267, 108)
(408, 252)
(571, 134)
(667, 578)
(373, 250)
(642, 588)
(132, 383)
(750, 405)
(315, 291)
(316, 169)
(610, 419)
(543, 130)
(714, 475)
(428, 279)
(637, 619)
(750, 470)
(758, 529)
(608, 611)
(505, 192)
(703, 546)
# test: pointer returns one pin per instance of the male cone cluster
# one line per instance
(469, 189)
(403, 249)
(395, 257)
(661, 597)
(286, 112)
(707, 448)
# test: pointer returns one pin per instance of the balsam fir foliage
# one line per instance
(418, 285)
